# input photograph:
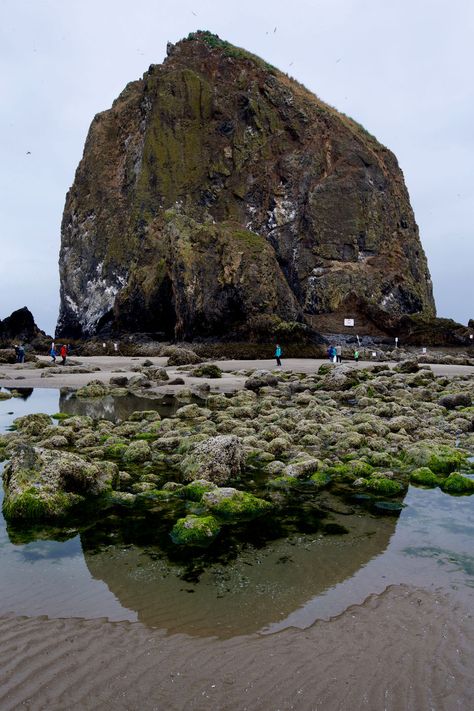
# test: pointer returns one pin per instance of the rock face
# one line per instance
(20, 326)
(218, 197)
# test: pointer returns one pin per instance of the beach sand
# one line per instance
(27, 376)
(403, 650)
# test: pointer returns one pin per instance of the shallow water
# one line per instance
(52, 400)
(122, 569)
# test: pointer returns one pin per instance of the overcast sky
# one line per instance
(402, 68)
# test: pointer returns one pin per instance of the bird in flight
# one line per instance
(28, 153)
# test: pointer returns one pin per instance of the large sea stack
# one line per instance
(220, 198)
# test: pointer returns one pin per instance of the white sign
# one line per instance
(374, 354)
(424, 350)
(348, 322)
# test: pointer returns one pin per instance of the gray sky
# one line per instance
(402, 68)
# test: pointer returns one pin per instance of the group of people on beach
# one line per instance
(61, 351)
(334, 354)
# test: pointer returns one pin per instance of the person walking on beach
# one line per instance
(332, 354)
(356, 356)
(53, 353)
(21, 354)
(339, 354)
(278, 354)
(63, 353)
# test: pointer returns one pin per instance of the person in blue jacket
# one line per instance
(278, 353)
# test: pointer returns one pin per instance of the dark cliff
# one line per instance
(220, 198)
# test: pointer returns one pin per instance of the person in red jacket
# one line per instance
(63, 353)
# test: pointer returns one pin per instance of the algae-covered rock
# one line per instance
(32, 425)
(194, 530)
(195, 489)
(384, 486)
(207, 370)
(302, 466)
(137, 452)
(191, 412)
(424, 477)
(260, 379)
(340, 377)
(115, 450)
(407, 366)
(96, 388)
(218, 459)
(320, 479)
(231, 504)
(457, 484)
(180, 356)
(440, 458)
(455, 400)
(42, 484)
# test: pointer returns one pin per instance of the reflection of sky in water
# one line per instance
(431, 548)
(41, 400)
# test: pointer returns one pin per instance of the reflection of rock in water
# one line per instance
(23, 393)
(115, 408)
(261, 586)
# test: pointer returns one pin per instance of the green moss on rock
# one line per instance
(384, 486)
(440, 458)
(207, 370)
(231, 504)
(196, 489)
(424, 477)
(193, 530)
(458, 484)
(320, 479)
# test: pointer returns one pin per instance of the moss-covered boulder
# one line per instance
(32, 425)
(137, 452)
(231, 504)
(95, 388)
(115, 450)
(455, 400)
(440, 458)
(207, 370)
(384, 486)
(196, 489)
(423, 476)
(42, 484)
(193, 530)
(320, 479)
(457, 484)
(192, 412)
(218, 459)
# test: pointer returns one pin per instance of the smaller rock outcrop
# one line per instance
(20, 326)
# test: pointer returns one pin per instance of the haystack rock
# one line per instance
(220, 198)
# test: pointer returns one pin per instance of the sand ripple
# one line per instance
(401, 650)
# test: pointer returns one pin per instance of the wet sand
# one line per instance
(27, 376)
(403, 650)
